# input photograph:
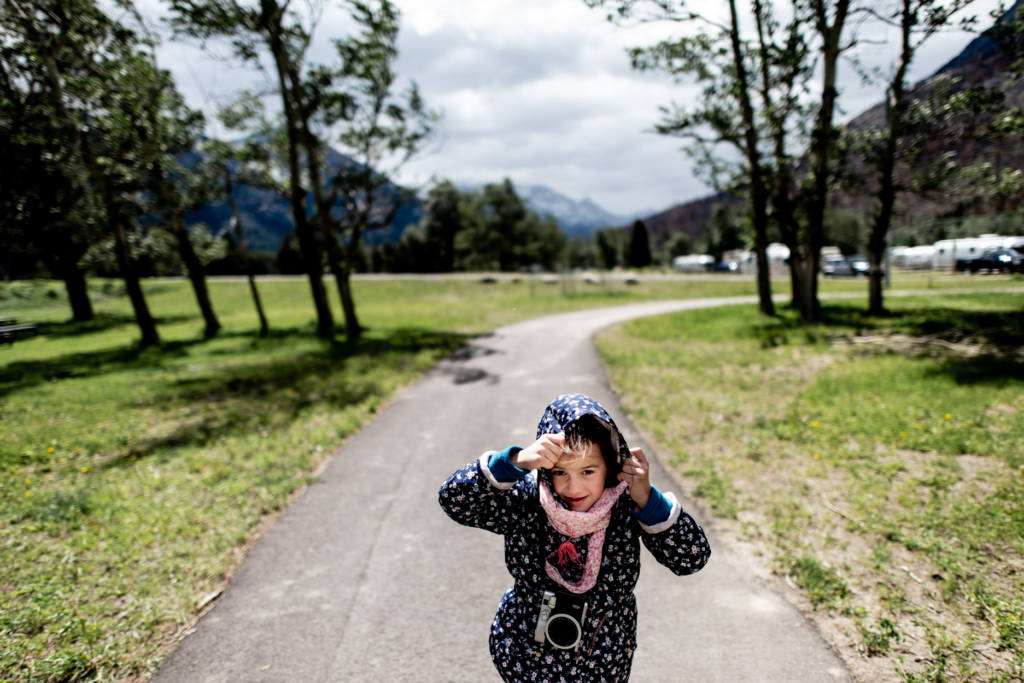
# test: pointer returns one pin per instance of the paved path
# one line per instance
(365, 579)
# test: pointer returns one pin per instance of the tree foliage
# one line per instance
(88, 72)
(351, 103)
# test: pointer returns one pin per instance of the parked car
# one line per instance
(993, 261)
(851, 266)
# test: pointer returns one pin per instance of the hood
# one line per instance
(568, 408)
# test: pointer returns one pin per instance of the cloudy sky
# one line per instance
(539, 91)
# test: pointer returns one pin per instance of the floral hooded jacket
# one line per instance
(491, 494)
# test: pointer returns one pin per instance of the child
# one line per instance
(571, 543)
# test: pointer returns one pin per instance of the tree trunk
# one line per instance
(342, 278)
(64, 265)
(809, 307)
(147, 325)
(794, 280)
(196, 276)
(244, 250)
(78, 294)
(821, 151)
(895, 110)
(352, 329)
(758, 190)
(877, 238)
(270, 18)
(764, 282)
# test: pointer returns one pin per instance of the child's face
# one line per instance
(579, 481)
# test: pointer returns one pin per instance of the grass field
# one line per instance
(131, 480)
(876, 464)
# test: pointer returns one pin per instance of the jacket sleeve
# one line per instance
(484, 493)
(675, 540)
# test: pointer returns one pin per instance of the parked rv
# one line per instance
(913, 258)
(693, 263)
(948, 252)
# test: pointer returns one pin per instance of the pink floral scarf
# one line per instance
(574, 524)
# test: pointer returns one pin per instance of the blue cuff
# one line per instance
(501, 467)
(656, 511)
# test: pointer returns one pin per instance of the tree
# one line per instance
(376, 127)
(679, 244)
(845, 229)
(901, 139)
(168, 130)
(499, 233)
(495, 212)
(610, 244)
(351, 103)
(282, 33)
(829, 20)
(723, 231)
(219, 155)
(735, 71)
(639, 245)
(83, 58)
(49, 214)
(442, 221)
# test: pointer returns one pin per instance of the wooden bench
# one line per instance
(10, 333)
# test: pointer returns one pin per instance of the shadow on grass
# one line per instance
(999, 335)
(268, 395)
(24, 375)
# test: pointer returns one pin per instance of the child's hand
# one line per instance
(542, 453)
(636, 473)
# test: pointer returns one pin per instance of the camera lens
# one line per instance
(563, 631)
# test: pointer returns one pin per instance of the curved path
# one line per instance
(364, 578)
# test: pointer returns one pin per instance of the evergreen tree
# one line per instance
(639, 245)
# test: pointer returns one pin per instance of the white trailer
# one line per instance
(693, 263)
(913, 258)
(777, 255)
(948, 251)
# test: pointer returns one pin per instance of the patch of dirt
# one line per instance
(904, 588)
(969, 346)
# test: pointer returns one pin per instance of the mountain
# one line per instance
(266, 215)
(267, 219)
(575, 218)
(686, 217)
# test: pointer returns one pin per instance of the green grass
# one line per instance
(131, 480)
(878, 462)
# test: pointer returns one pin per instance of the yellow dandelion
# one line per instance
(84, 470)
(903, 433)
(28, 481)
(817, 457)
(50, 449)
(28, 494)
(815, 424)
(948, 416)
